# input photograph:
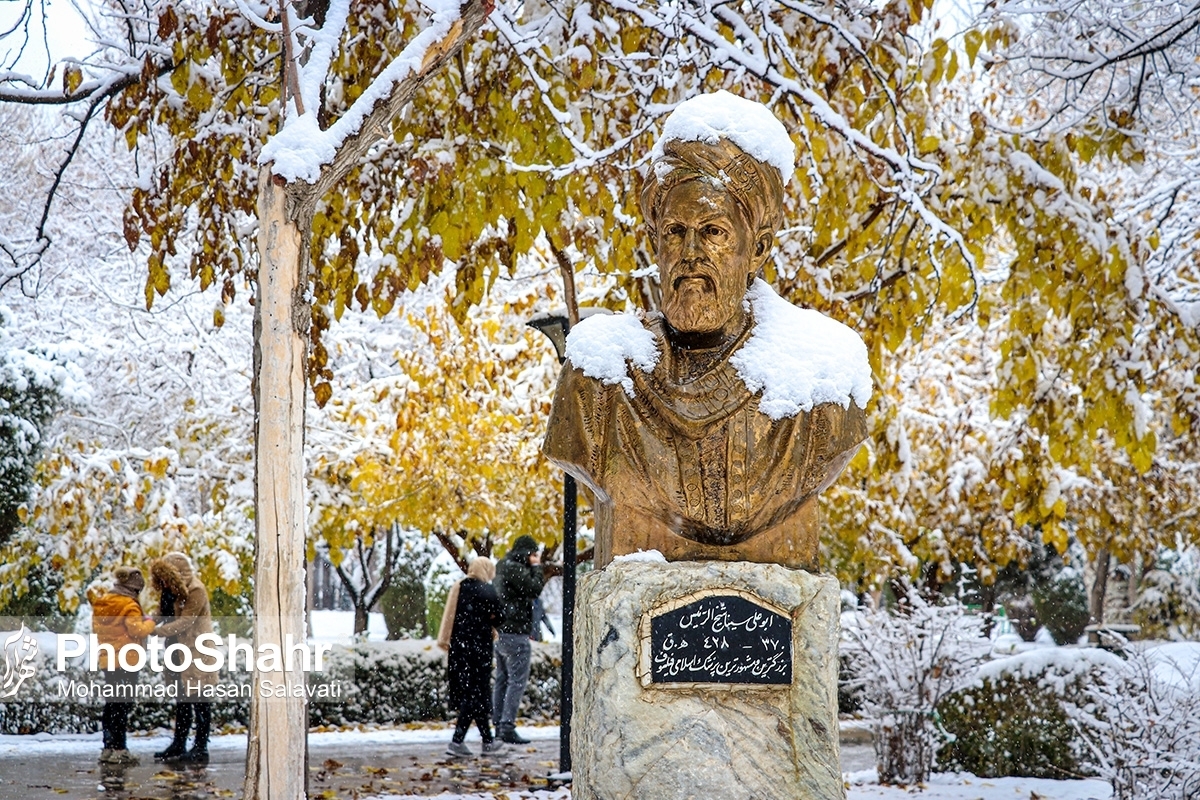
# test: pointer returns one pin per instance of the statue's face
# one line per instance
(705, 256)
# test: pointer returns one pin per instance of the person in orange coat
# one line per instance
(117, 620)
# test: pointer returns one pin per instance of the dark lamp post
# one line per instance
(556, 325)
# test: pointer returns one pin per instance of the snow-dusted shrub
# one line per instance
(1140, 723)
(34, 385)
(904, 662)
(1013, 719)
(1168, 606)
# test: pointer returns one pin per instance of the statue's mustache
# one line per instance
(698, 269)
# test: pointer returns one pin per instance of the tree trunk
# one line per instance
(1099, 588)
(1137, 569)
(276, 767)
(987, 601)
(276, 751)
(360, 618)
(904, 748)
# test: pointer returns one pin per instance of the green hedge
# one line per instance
(1013, 720)
(381, 683)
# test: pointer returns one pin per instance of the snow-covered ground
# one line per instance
(940, 787)
(338, 626)
(964, 786)
(862, 785)
(88, 744)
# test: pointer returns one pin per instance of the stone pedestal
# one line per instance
(638, 734)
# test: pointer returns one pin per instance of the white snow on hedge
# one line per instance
(751, 126)
(799, 358)
(796, 357)
(1051, 666)
(601, 346)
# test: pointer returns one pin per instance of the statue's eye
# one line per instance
(675, 229)
(714, 230)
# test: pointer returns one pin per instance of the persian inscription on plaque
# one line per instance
(723, 636)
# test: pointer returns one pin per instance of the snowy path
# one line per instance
(941, 787)
(392, 763)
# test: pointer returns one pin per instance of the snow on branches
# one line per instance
(1140, 722)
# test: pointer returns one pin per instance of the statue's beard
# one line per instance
(696, 302)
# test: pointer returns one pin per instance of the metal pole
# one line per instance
(568, 623)
(556, 327)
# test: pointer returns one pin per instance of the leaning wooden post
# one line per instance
(275, 763)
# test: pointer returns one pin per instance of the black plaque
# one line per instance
(721, 638)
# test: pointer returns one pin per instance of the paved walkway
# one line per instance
(350, 765)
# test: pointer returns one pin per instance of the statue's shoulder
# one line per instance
(605, 347)
(799, 358)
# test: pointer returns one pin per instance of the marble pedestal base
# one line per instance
(701, 741)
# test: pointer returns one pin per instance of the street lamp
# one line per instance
(556, 325)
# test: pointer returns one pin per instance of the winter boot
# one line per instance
(199, 752)
(508, 734)
(494, 748)
(183, 722)
(458, 750)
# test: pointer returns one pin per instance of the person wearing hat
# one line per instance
(518, 583)
(186, 615)
(472, 611)
(117, 621)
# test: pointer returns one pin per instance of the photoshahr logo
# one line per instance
(20, 649)
(78, 660)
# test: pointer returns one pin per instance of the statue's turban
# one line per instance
(755, 186)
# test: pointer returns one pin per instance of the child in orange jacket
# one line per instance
(117, 620)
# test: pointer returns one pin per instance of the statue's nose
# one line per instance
(691, 243)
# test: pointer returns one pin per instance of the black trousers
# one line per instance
(477, 710)
(114, 720)
(185, 712)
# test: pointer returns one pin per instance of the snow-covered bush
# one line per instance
(905, 661)
(1013, 719)
(1140, 723)
(34, 385)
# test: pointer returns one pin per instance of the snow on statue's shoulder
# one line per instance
(800, 358)
(720, 115)
(601, 345)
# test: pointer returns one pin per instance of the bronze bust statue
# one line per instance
(675, 419)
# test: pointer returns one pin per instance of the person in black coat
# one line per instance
(519, 581)
(472, 611)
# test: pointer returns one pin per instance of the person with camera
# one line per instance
(518, 583)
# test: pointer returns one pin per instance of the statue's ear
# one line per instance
(763, 245)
